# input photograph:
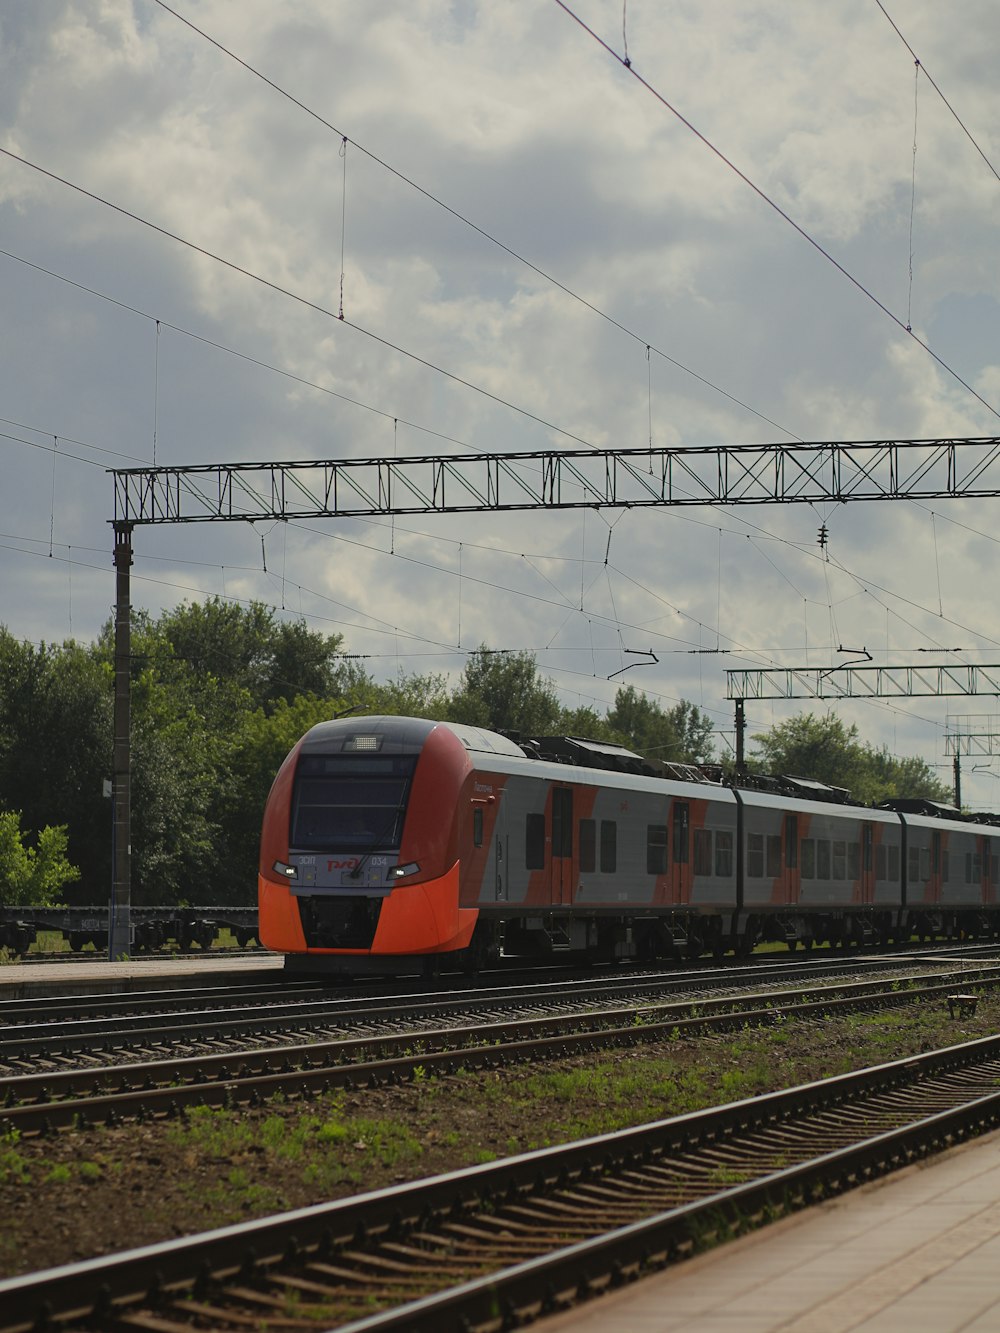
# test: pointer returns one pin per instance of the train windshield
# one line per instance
(348, 803)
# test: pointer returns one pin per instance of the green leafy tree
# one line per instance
(55, 748)
(682, 734)
(505, 692)
(180, 772)
(407, 696)
(584, 722)
(33, 875)
(824, 749)
(215, 644)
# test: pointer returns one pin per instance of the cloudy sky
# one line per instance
(529, 250)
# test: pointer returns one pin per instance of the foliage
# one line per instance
(228, 648)
(55, 745)
(823, 749)
(407, 696)
(504, 691)
(682, 734)
(32, 875)
(586, 723)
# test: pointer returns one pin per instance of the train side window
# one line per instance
(724, 854)
(925, 863)
(656, 849)
(562, 821)
(702, 851)
(808, 858)
(945, 877)
(894, 864)
(880, 870)
(755, 855)
(913, 865)
(609, 846)
(854, 858)
(477, 826)
(773, 855)
(588, 846)
(534, 842)
(839, 859)
(791, 842)
(822, 858)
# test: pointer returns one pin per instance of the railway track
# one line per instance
(106, 1029)
(492, 1246)
(48, 1100)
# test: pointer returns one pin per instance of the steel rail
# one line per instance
(932, 1098)
(41, 1103)
(62, 1034)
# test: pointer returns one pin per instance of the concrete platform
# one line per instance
(918, 1251)
(25, 980)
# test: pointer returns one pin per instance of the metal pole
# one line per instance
(741, 728)
(120, 914)
(958, 782)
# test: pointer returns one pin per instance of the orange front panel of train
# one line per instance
(279, 923)
(425, 918)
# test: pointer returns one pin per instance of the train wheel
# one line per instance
(483, 952)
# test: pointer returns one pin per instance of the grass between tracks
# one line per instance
(82, 1194)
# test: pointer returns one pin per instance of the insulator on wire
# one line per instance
(822, 536)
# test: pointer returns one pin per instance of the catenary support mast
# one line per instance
(120, 915)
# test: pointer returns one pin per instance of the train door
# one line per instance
(989, 864)
(935, 885)
(792, 880)
(867, 876)
(499, 850)
(562, 845)
(680, 846)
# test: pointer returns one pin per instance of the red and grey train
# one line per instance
(393, 842)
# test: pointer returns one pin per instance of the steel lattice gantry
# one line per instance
(862, 682)
(572, 479)
(807, 473)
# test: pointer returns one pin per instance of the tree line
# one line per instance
(221, 693)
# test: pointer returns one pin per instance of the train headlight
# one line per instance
(400, 872)
(280, 868)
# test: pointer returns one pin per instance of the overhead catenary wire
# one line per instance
(922, 69)
(230, 351)
(304, 301)
(748, 653)
(466, 221)
(776, 207)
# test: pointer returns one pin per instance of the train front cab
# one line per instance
(359, 850)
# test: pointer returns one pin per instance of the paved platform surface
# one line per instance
(24, 980)
(917, 1252)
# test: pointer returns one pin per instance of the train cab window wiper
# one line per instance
(364, 857)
